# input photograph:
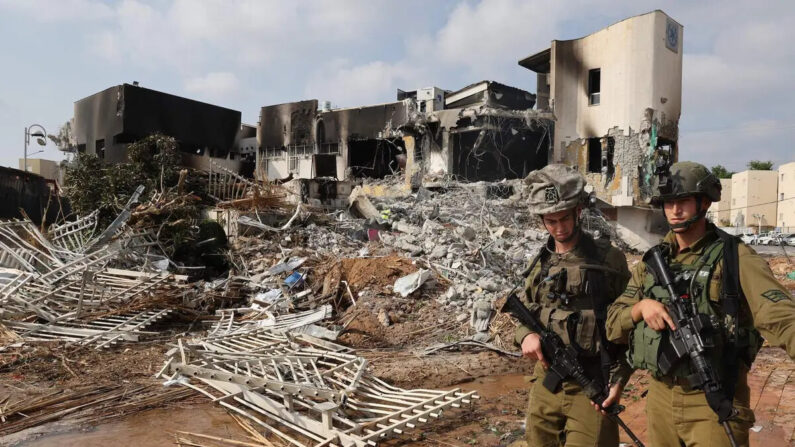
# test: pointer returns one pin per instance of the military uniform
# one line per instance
(569, 292)
(676, 412)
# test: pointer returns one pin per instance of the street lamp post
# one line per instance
(40, 138)
(759, 223)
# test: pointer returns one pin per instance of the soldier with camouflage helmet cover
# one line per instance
(727, 284)
(569, 285)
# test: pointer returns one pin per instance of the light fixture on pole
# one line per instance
(759, 218)
(40, 135)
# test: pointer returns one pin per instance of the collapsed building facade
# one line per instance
(616, 95)
(485, 131)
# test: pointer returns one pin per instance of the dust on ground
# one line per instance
(395, 353)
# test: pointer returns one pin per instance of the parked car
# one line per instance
(768, 239)
(790, 241)
(748, 239)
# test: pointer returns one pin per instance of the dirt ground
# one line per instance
(394, 353)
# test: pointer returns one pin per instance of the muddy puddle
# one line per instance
(157, 427)
(494, 386)
(148, 428)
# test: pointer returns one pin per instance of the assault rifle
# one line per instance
(690, 339)
(564, 363)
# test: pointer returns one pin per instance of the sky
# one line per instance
(738, 67)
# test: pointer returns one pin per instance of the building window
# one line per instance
(293, 164)
(594, 155)
(99, 148)
(734, 202)
(782, 196)
(594, 86)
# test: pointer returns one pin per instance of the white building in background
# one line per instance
(720, 212)
(786, 197)
(754, 199)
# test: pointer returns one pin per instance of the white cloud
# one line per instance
(213, 86)
(738, 64)
(345, 86)
(50, 11)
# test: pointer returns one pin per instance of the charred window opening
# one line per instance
(320, 132)
(608, 149)
(498, 154)
(376, 158)
(325, 165)
(300, 129)
(594, 155)
(99, 147)
(594, 86)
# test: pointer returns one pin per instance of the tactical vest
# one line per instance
(571, 293)
(732, 339)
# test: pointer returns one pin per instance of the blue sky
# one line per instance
(739, 58)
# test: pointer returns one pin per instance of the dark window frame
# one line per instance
(594, 86)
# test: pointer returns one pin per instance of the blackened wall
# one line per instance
(29, 192)
(127, 113)
(364, 122)
(287, 124)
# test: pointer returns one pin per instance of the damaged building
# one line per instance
(105, 122)
(485, 131)
(616, 96)
(608, 103)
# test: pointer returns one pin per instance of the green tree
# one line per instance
(85, 183)
(758, 165)
(720, 172)
(90, 184)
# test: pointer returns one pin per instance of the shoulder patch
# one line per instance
(775, 295)
(630, 291)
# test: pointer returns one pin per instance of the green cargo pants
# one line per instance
(678, 415)
(565, 418)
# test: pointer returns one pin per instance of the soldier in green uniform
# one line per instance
(570, 284)
(706, 264)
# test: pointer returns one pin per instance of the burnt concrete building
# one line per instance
(484, 131)
(616, 96)
(105, 122)
(298, 139)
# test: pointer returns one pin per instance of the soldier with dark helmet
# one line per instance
(729, 287)
(569, 285)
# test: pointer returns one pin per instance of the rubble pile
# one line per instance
(477, 235)
(279, 293)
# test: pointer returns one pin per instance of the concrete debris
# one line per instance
(270, 333)
(409, 283)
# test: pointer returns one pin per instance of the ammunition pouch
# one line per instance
(644, 348)
(576, 328)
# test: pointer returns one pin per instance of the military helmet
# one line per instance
(686, 179)
(555, 188)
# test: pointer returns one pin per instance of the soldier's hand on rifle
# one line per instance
(613, 396)
(531, 348)
(653, 313)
